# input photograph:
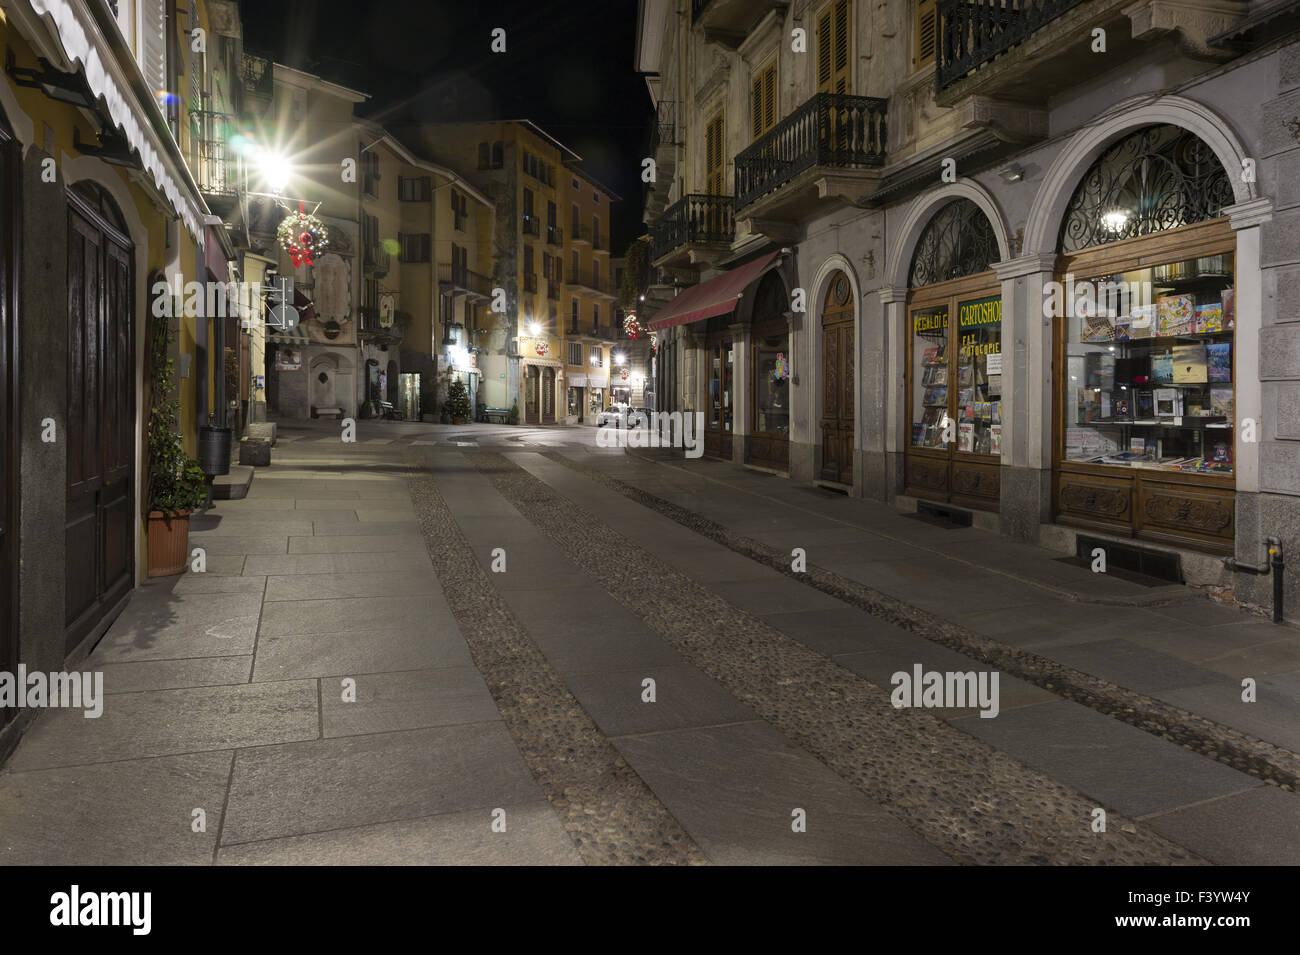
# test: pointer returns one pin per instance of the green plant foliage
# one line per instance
(512, 417)
(457, 399)
(638, 260)
(175, 480)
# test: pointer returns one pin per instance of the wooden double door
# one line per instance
(837, 418)
(98, 529)
(539, 395)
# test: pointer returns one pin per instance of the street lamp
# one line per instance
(534, 329)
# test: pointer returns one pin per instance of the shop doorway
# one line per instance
(8, 418)
(954, 361)
(837, 381)
(768, 442)
(532, 384)
(718, 423)
(99, 526)
(548, 396)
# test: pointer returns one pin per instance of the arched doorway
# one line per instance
(768, 442)
(954, 360)
(99, 525)
(392, 390)
(1145, 346)
(532, 389)
(838, 377)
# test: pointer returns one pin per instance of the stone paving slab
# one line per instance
(332, 527)
(134, 812)
(734, 789)
(257, 566)
(168, 722)
(299, 788)
(1125, 769)
(841, 630)
(222, 545)
(1258, 827)
(175, 674)
(684, 698)
(360, 614)
(412, 699)
(1272, 716)
(382, 514)
(249, 525)
(357, 544)
(533, 836)
(209, 583)
(189, 625)
(776, 594)
(406, 583)
(332, 653)
(1133, 666)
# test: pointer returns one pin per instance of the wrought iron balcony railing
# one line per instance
(218, 169)
(973, 32)
(464, 280)
(554, 235)
(530, 282)
(693, 218)
(831, 129)
(376, 260)
(532, 225)
(258, 74)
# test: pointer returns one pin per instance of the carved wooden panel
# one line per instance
(927, 475)
(1096, 500)
(717, 444)
(1195, 511)
(768, 451)
(977, 481)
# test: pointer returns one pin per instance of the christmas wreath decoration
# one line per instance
(302, 236)
(631, 327)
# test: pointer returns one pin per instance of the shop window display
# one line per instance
(1149, 367)
(772, 390)
(957, 385)
(720, 379)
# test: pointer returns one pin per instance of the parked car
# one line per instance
(615, 414)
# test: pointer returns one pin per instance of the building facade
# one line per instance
(104, 238)
(1038, 270)
(548, 351)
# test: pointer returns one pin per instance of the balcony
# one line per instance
(375, 261)
(257, 75)
(554, 235)
(583, 280)
(694, 229)
(729, 21)
(583, 235)
(828, 150)
(532, 225)
(530, 282)
(370, 185)
(460, 281)
(1018, 52)
(217, 168)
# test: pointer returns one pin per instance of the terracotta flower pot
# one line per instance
(457, 419)
(169, 543)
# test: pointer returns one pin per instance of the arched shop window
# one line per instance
(959, 241)
(954, 368)
(1158, 178)
(768, 442)
(1144, 308)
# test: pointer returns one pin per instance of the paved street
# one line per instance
(436, 645)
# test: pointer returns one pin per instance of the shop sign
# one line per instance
(387, 308)
(288, 360)
(978, 316)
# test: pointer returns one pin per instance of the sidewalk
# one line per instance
(225, 694)
(1185, 648)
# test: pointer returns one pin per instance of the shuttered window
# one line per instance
(833, 38)
(923, 33)
(714, 164)
(763, 100)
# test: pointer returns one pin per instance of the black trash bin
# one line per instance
(214, 450)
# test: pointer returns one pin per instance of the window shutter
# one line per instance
(756, 107)
(769, 91)
(824, 42)
(841, 80)
(153, 55)
(924, 31)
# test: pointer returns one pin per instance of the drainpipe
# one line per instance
(1274, 561)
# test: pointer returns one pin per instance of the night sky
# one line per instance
(568, 67)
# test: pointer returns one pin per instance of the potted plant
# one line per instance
(175, 483)
(458, 401)
(512, 417)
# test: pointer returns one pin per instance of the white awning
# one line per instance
(597, 381)
(577, 381)
(543, 362)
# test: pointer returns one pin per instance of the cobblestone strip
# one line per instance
(974, 802)
(608, 811)
(1259, 758)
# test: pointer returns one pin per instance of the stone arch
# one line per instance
(922, 210)
(1074, 161)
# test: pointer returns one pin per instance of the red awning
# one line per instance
(717, 296)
